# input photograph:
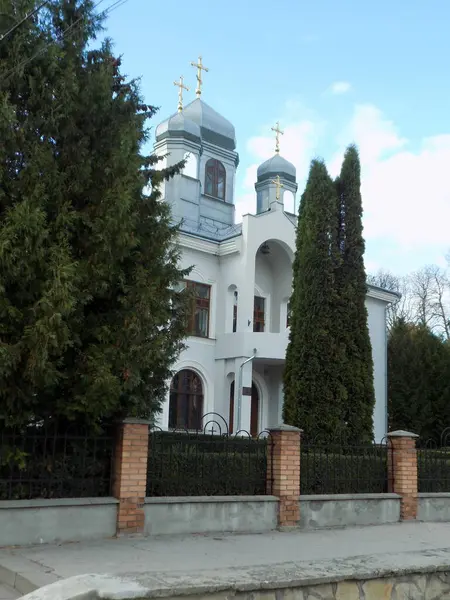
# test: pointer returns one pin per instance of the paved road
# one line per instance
(177, 555)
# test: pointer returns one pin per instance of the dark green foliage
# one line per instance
(203, 465)
(433, 469)
(356, 370)
(357, 470)
(313, 393)
(88, 328)
(354, 470)
(328, 380)
(418, 380)
(50, 462)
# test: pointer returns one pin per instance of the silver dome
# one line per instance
(214, 128)
(277, 165)
(178, 125)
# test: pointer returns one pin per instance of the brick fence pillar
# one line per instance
(130, 475)
(283, 473)
(402, 471)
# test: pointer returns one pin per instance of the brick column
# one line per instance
(283, 473)
(402, 471)
(130, 475)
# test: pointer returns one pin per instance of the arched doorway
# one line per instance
(254, 410)
(186, 401)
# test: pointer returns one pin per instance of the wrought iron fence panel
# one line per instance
(342, 468)
(52, 461)
(433, 464)
(209, 462)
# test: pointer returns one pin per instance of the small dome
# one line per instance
(277, 165)
(178, 125)
(214, 128)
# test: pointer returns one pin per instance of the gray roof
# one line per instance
(208, 229)
(178, 125)
(277, 165)
(214, 128)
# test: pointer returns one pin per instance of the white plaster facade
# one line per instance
(252, 259)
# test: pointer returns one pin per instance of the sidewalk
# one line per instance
(181, 559)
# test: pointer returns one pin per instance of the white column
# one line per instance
(242, 420)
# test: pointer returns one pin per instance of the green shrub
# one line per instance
(198, 465)
(356, 471)
(433, 468)
(44, 464)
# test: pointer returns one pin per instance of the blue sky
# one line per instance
(332, 73)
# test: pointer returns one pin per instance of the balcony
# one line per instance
(271, 346)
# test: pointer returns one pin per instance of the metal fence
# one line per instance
(433, 464)
(340, 468)
(209, 462)
(52, 461)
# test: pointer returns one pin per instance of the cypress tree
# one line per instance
(313, 393)
(356, 371)
(88, 262)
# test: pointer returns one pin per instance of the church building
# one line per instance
(241, 278)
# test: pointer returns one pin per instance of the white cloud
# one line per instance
(340, 87)
(405, 187)
(406, 194)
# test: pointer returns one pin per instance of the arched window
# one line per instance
(235, 309)
(215, 179)
(186, 401)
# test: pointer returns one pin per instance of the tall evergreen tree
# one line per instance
(356, 373)
(88, 262)
(418, 380)
(313, 393)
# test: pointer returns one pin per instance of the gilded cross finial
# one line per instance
(277, 131)
(181, 87)
(199, 66)
(278, 186)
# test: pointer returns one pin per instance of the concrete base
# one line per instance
(434, 507)
(343, 581)
(210, 514)
(348, 510)
(25, 522)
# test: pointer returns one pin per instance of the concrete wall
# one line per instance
(236, 514)
(434, 507)
(348, 510)
(24, 522)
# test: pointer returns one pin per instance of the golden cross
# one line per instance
(200, 68)
(277, 131)
(278, 186)
(181, 87)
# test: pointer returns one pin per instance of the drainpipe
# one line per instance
(239, 399)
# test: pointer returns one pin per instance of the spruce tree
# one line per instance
(356, 370)
(313, 393)
(89, 322)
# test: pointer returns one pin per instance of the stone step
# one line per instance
(8, 593)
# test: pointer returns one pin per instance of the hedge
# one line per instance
(433, 470)
(324, 472)
(199, 465)
(43, 463)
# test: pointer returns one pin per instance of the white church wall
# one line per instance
(191, 166)
(289, 201)
(218, 358)
(377, 330)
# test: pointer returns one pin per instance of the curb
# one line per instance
(16, 581)
(24, 580)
